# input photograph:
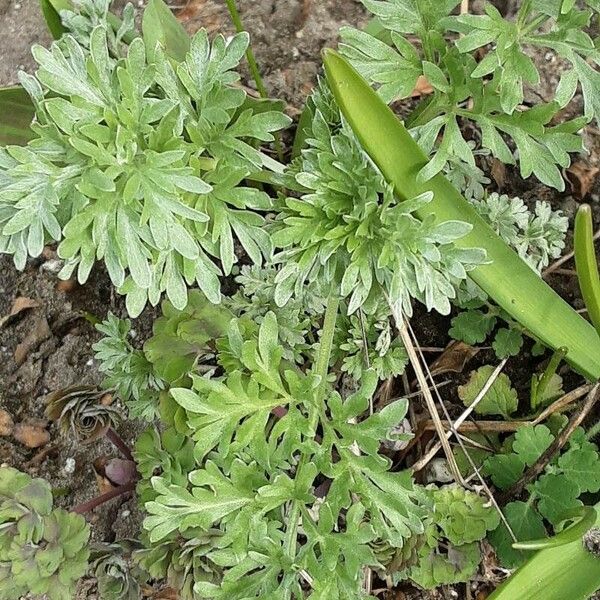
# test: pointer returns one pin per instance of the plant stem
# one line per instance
(324, 353)
(538, 388)
(253, 66)
(118, 443)
(321, 368)
(81, 509)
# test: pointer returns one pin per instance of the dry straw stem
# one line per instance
(401, 325)
(557, 406)
(472, 464)
(422, 462)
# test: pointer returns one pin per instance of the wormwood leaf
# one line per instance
(495, 83)
(139, 162)
(500, 399)
(538, 236)
(218, 411)
(212, 498)
(350, 231)
(410, 16)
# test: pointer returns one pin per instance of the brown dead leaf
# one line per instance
(454, 358)
(305, 10)
(166, 593)
(581, 177)
(6, 423)
(19, 305)
(32, 434)
(498, 172)
(422, 87)
(107, 399)
(209, 12)
(102, 481)
(39, 333)
(49, 253)
(66, 285)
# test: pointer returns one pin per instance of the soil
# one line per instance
(54, 339)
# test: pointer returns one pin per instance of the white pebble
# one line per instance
(89, 363)
(69, 467)
(125, 513)
(53, 266)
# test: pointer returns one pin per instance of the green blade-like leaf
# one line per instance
(16, 114)
(565, 571)
(506, 278)
(159, 25)
(586, 264)
(51, 11)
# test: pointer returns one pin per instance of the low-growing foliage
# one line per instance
(139, 164)
(350, 231)
(43, 550)
(495, 85)
(268, 467)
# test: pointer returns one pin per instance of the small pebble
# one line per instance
(89, 363)
(125, 513)
(6, 423)
(31, 435)
(69, 467)
(53, 266)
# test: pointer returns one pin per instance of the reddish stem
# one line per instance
(86, 507)
(119, 444)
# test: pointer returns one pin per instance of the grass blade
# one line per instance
(507, 279)
(51, 11)
(160, 25)
(16, 114)
(586, 264)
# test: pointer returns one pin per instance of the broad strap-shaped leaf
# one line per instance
(51, 11)
(16, 114)
(160, 26)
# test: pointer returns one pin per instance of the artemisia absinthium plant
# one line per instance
(269, 479)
